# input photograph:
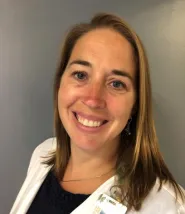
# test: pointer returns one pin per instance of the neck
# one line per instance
(83, 164)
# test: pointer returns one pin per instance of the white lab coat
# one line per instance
(162, 202)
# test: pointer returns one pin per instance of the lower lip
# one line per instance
(86, 128)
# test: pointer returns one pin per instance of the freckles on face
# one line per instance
(67, 96)
(121, 108)
(66, 93)
(98, 86)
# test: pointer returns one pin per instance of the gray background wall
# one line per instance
(30, 36)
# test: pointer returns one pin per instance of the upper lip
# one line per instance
(90, 117)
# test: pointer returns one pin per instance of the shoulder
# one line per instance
(164, 200)
(46, 146)
(41, 151)
(168, 189)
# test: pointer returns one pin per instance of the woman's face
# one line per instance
(97, 90)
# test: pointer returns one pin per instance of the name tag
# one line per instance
(107, 205)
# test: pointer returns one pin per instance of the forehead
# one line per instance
(104, 45)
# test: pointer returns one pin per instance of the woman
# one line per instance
(105, 135)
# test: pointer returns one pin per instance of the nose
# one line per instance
(94, 96)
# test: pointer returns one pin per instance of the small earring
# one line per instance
(127, 129)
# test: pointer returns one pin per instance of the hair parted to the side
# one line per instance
(139, 161)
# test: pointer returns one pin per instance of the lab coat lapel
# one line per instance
(89, 204)
(29, 190)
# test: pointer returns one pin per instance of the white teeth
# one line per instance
(85, 122)
(88, 123)
(91, 123)
(96, 123)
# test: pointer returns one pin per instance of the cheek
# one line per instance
(66, 96)
(121, 107)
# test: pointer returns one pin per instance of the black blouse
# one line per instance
(52, 198)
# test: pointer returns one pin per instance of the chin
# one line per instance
(87, 145)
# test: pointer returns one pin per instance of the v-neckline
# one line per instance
(89, 202)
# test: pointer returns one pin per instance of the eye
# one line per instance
(118, 85)
(79, 75)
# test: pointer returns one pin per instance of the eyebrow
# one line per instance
(114, 71)
(81, 62)
(123, 74)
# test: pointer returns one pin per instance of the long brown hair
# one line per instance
(139, 161)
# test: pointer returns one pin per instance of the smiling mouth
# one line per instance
(89, 123)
